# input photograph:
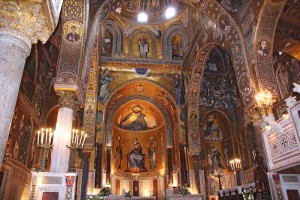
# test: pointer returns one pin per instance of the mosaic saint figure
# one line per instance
(135, 120)
(118, 153)
(135, 156)
(283, 79)
(211, 130)
(104, 90)
(263, 51)
(143, 47)
(73, 36)
(177, 85)
(152, 153)
(216, 158)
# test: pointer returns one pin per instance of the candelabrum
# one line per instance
(45, 140)
(236, 166)
(76, 144)
(264, 102)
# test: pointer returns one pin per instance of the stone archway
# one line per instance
(146, 32)
(193, 98)
(117, 38)
(167, 46)
(166, 105)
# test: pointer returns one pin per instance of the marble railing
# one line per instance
(181, 197)
(14, 177)
(281, 138)
(247, 176)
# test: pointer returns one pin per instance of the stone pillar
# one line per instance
(22, 23)
(11, 71)
(62, 136)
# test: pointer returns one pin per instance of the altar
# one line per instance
(116, 197)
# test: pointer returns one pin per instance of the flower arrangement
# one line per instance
(248, 195)
(104, 192)
(184, 191)
(128, 194)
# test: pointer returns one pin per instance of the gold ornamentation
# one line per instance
(25, 20)
(67, 99)
(66, 81)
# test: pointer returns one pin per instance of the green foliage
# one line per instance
(184, 191)
(128, 194)
(248, 195)
(104, 192)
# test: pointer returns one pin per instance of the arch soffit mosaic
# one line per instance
(265, 31)
(112, 99)
(193, 98)
(234, 37)
(103, 11)
(167, 39)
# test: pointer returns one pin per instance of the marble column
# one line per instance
(22, 24)
(62, 136)
(13, 53)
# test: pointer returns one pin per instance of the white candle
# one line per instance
(38, 139)
(83, 140)
(47, 133)
(50, 133)
(73, 136)
(76, 137)
(42, 137)
(76, 141)
(50, 138)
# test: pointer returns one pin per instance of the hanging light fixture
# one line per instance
(142, 17)
(264, 101)
(170, 12)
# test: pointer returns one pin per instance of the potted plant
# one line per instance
(104, 192)
(248, 195)
(184, 191)
(128, 194)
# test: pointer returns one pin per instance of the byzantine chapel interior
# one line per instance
(150, 99)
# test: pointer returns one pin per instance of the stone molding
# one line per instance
(29, 21)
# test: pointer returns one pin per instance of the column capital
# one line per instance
(67, 99)
(30, 20)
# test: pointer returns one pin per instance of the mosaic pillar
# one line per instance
(62, 136)
(22, 23)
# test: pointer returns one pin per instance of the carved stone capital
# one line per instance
(67, 99)
(67, 82)
(28, 20)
